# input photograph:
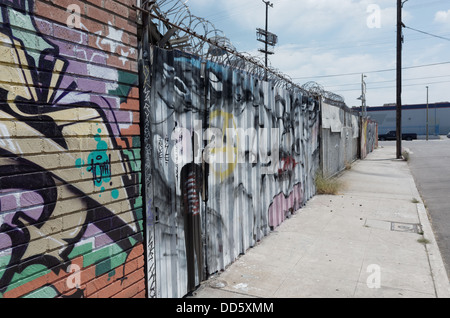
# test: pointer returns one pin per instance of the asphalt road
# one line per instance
(430, 165)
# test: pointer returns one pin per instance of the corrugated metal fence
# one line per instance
(228, 158)
(340, 138)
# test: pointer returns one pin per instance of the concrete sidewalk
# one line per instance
(373, 240)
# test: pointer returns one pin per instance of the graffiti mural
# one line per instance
(231, 156)
(71, 210)
(369, 138)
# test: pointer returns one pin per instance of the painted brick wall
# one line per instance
(71, 221)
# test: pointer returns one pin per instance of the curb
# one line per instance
(438, 271)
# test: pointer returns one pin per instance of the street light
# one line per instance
(267, 37)
(362, 98)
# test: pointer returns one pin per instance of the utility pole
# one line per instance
(400, 26)
(436, 130)
(269, 38)
(362, 98)
(363, 95)
(427, 113)
(267, 30)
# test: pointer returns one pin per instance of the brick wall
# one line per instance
(71, 220)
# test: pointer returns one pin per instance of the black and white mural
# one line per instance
(230, 157)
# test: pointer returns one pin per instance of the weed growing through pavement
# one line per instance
(327, 186)
(423, 240)
(405, 155)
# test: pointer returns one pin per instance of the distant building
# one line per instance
(414, 118)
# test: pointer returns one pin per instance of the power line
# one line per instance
(368, 72)
(376, 42)
(390, 81)
(384, 87)
(430, 34)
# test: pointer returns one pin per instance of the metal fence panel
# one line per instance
(230, 157)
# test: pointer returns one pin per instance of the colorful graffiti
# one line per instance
(70, 202)
(369, 137)
(230, 157)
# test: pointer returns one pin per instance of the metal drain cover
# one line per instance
(394, 226)
(405, 227)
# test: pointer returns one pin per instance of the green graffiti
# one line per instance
(4, 261)
(29, 274)
(99, 165)
(126, 81)
(43, 292)
(115, 193)
(79, 163)
(22, 28)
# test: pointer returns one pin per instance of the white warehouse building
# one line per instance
(414, 118)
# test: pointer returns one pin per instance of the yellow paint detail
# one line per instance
(224, 170)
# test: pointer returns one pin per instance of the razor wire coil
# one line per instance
(202, 38)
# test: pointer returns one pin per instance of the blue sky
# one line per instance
(319, 38)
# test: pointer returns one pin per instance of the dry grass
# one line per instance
(405, 155)
(327, 186)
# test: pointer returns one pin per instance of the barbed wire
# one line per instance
(199, 36)
(318, 90)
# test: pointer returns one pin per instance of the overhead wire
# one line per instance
(427, 33)
(390, 81)
(385, 87)
(369, 72)
(177, 9)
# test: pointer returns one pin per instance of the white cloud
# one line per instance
(325, 37)
(303, 65)
(442, 16)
